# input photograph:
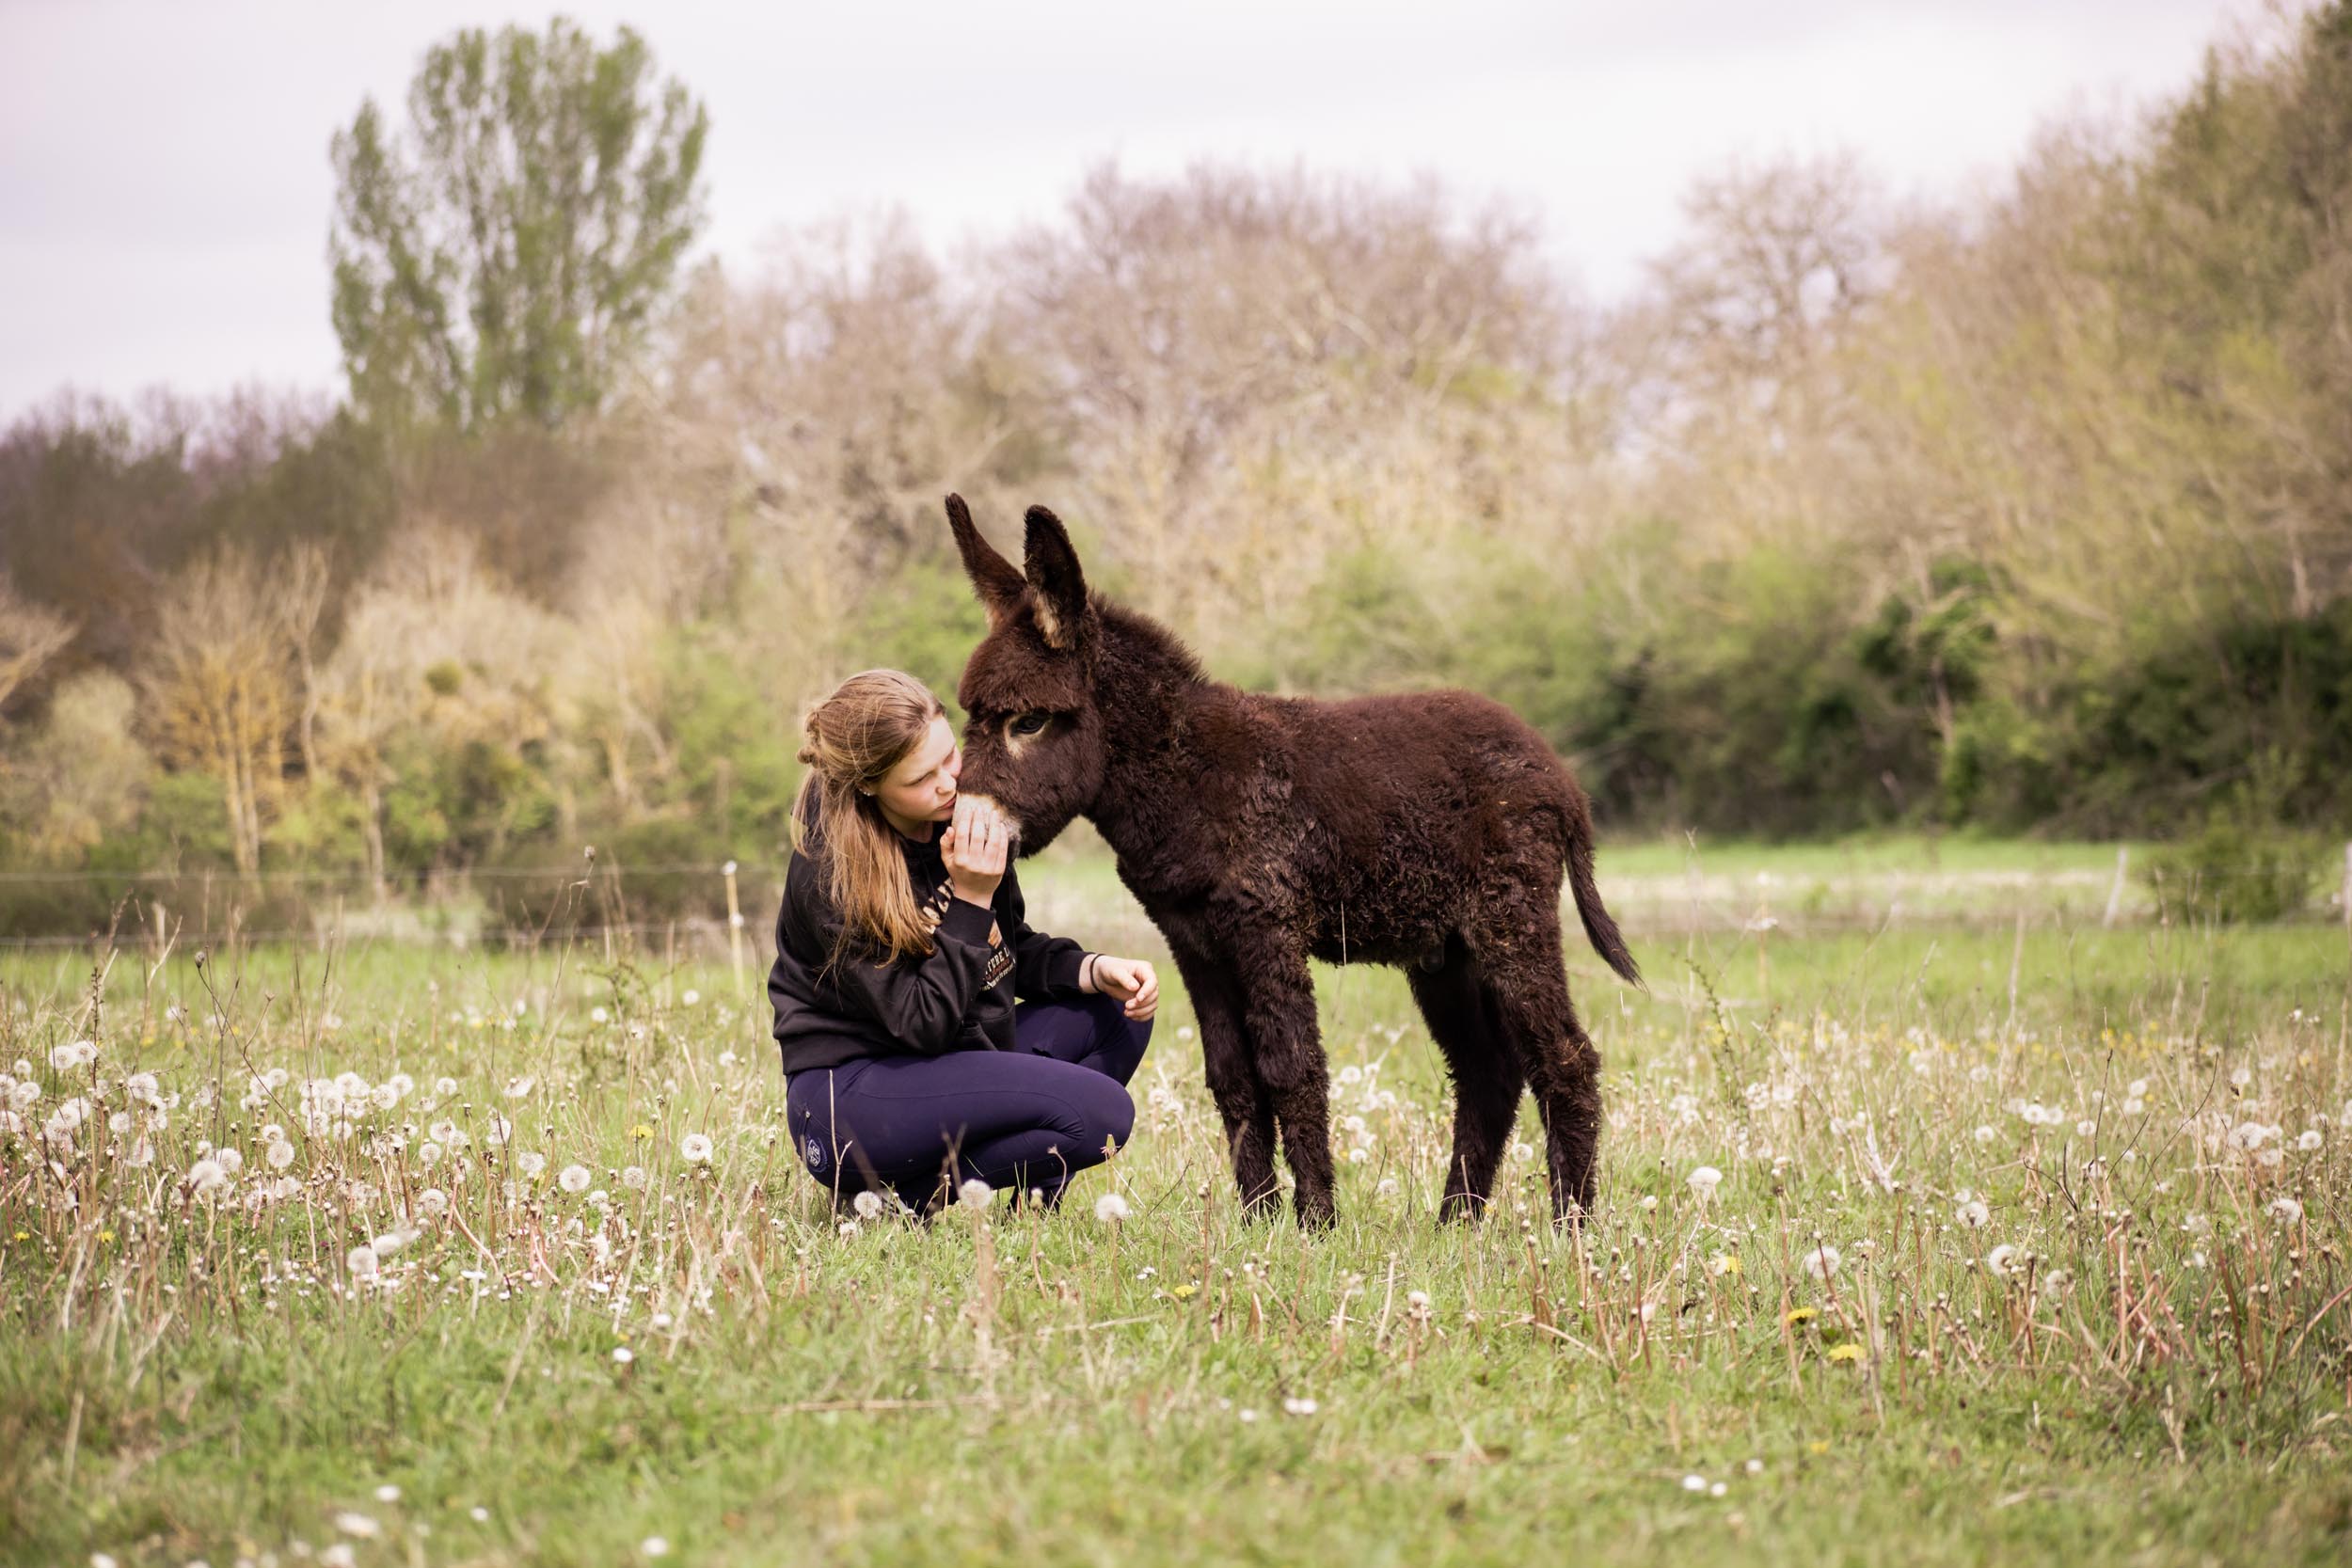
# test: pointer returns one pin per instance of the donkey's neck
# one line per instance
(1144, 687)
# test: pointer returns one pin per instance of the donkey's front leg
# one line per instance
(1241, 1100)
(1290, 1061)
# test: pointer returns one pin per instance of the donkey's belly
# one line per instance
(1384, 944)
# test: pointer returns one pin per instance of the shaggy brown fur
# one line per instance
(1427, 830)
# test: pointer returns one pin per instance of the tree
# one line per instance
(222, 686)
(507, 255)
(30, 636)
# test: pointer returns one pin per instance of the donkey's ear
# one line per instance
(1057, 589)
(993, 578)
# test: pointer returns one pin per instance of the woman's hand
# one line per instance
(975, 846)
(1130, 980)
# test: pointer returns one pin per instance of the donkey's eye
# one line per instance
(1029, 723)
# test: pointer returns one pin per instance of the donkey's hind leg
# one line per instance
(1488, 1082)
(1526, 987)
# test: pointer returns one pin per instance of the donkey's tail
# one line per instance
(1599, 929)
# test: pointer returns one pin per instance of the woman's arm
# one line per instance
(920, 1001)
(1042, 966)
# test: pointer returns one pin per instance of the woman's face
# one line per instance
(922, 788)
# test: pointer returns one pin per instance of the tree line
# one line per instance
(2026, 513)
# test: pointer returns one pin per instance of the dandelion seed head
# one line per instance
(975, 1194)
(1704, 1179)
(867, 1204)
(695, 1147)
(1110, 1208)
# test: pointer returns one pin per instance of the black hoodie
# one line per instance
(959, 998)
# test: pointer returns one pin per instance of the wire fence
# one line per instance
(701, 907)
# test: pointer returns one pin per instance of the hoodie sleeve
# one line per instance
(1042, 966)
(920, 1001)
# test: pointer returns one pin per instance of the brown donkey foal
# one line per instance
(1427, 830)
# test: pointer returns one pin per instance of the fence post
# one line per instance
(2115, 892)
(2347, 896)
(735, 927)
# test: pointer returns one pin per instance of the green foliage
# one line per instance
(2242, 865)
(508, 256)
(464, 803)
(924, 621)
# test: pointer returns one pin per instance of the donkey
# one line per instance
(1427, 830)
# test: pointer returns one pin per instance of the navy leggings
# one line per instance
(1026, 1117)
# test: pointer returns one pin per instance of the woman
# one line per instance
(899, 950)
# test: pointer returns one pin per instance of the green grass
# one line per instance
(187, 1378)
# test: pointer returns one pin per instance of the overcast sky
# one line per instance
(164, 189)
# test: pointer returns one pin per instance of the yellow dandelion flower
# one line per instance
(1801, 1314)
(1186, 1291)
(1845, 1353)
(105, 1235)
(1816, 1447)
(640, 1131)
(23, 1236)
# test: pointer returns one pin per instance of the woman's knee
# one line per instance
(1119, 1041)
(1105, 1114)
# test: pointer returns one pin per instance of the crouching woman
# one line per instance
(929, 1036)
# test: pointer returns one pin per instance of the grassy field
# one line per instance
(2086, 1193)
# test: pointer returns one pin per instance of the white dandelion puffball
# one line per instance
(575, 1179)
(850, 1228)
(1999, 1260)
(279, 1154)
(361, 1263)
(623, 1355)
(531, 1164)
(1301, 1407)
(696, 1148)
(597, 1015)
(1821, 1261)
(207, 1177)
(654, 1545)
(690, 998)
(1986, 1135)
(2286, 1211)
(1705, 1179)
(340, 1555)
(433, 1201)
(2310, 1139)
(975, 1194)
(1110, 1208)
(1695, 1484)
(520, 1086)
(1973, 1213)
(867, 1204)
(358, 1524)
(633, 1178)
(388, 1493)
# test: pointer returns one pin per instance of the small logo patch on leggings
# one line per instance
(815, 1152)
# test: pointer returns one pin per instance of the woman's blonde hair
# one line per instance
(850, 741)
